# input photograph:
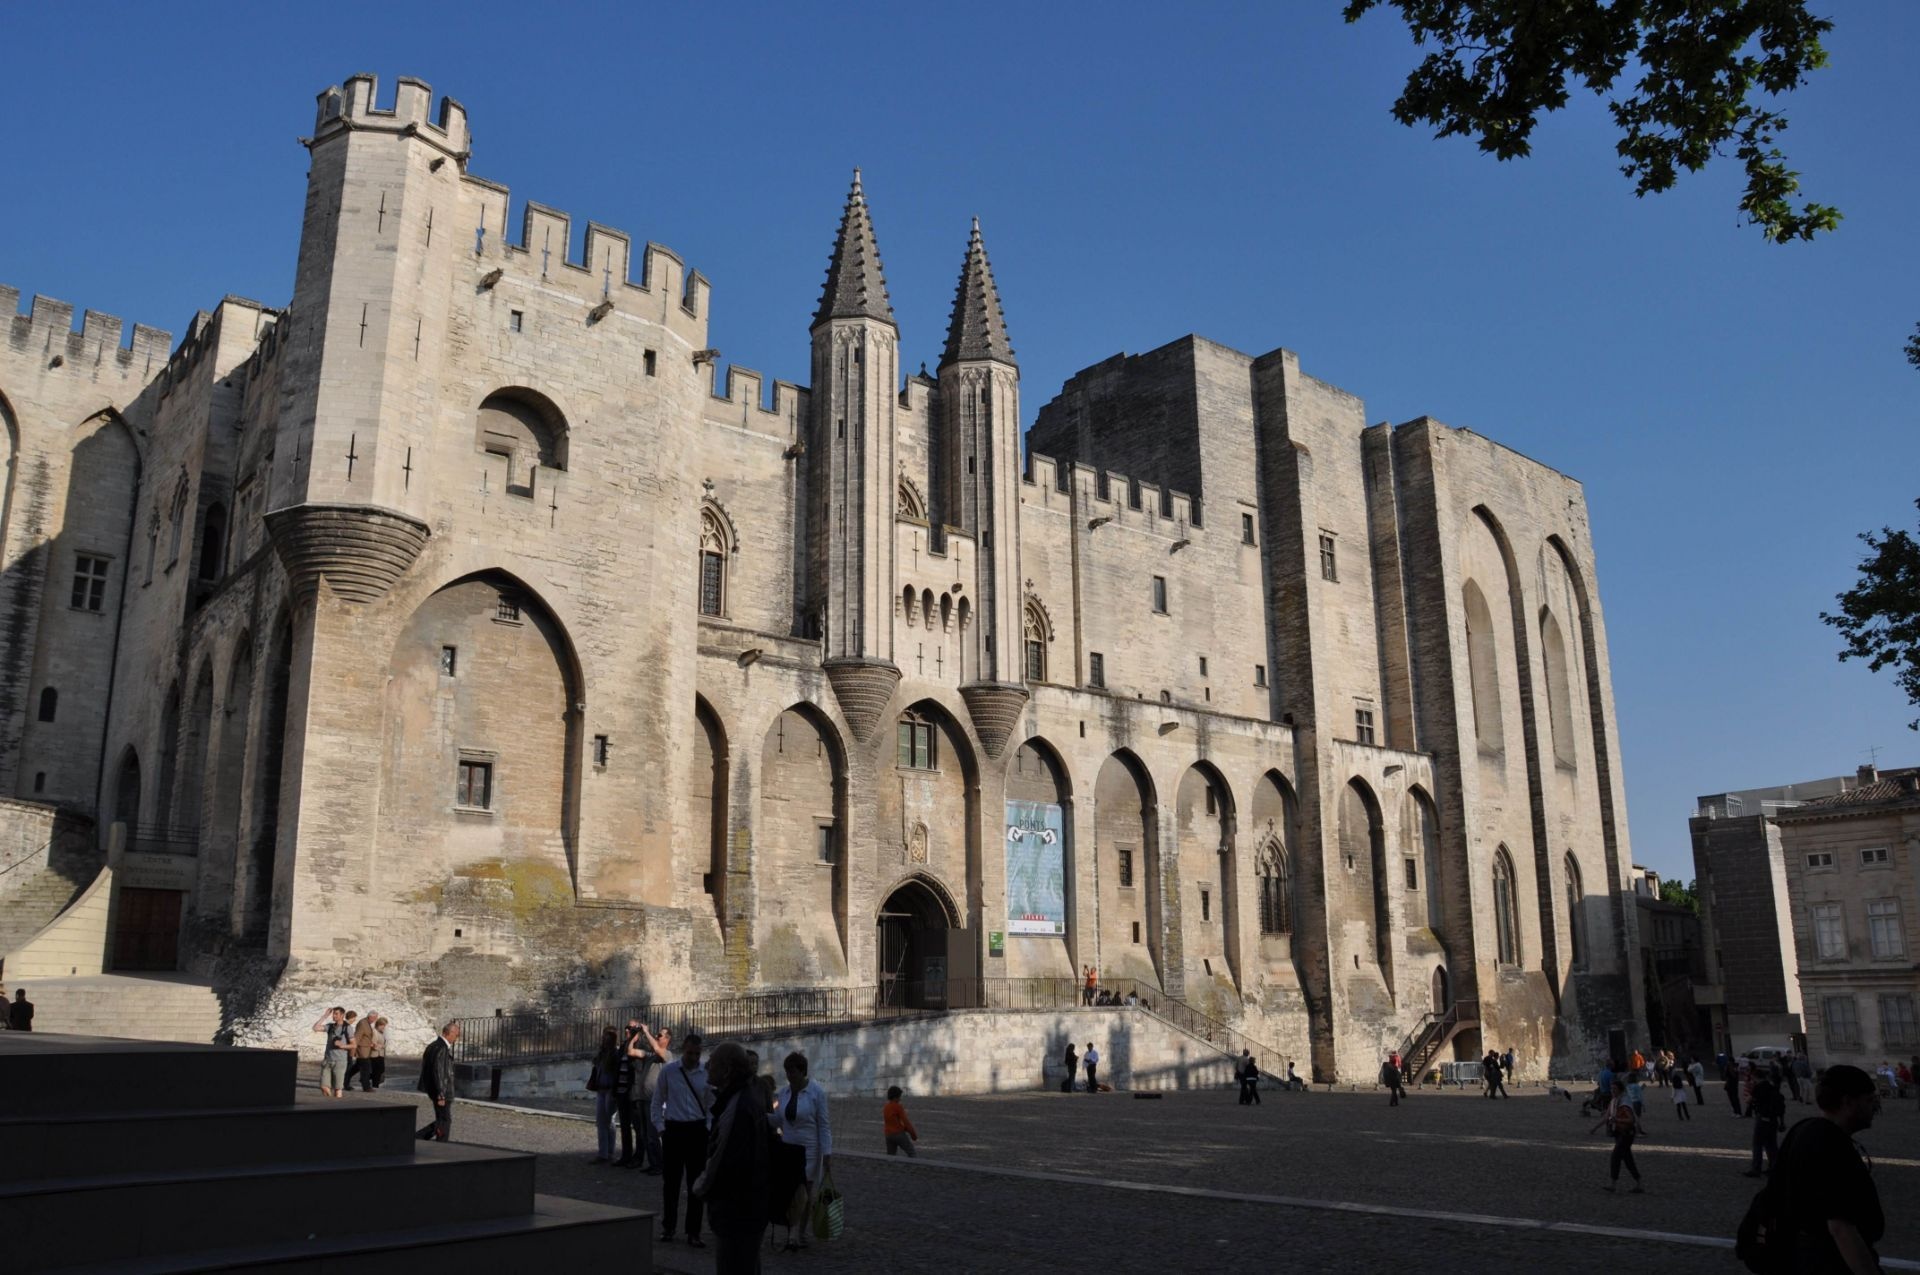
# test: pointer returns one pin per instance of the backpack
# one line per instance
(1765, 1241)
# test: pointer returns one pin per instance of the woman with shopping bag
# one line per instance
(800, 1113)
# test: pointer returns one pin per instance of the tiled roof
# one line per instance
(1891, 786)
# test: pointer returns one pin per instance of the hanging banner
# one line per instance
(1036, 869)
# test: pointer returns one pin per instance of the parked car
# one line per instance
(1768, 1053)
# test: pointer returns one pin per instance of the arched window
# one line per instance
(909, 505)
(49, 703)
(909, 603)
(1036, 643)
(213, 541)
(713, 564)
(1576, 913)
(1276, 907)
(1506, 920)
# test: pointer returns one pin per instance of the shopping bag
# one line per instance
(829, 1211)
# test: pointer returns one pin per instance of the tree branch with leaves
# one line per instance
(1707, 71)
(1880, 616)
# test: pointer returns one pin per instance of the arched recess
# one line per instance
(706, 813)
(1602, 751)
(219, 859)
(521, 432)
(1576, 913)
(480, 767)
(1420, 831)
(168, 746)
(1205, 819)
(9, 456)
(269, 768)
(1523, 681)
(1367, 910)
(1506, 909)
(1483, 669)
(190, 809)
(126, 791)
(1553, 646)
(213, 542)
(1126, 812)
(800, 861)
(1040, 814)
(938, 789)
(1275, 831)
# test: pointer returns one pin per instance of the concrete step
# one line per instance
(73, 1146)
(48, 1074)
(558, 1235)
(123, 1216)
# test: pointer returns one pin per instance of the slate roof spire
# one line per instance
(978, 329)
(856, 286)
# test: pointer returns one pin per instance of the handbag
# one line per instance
(829, 1210)
(593, 1079)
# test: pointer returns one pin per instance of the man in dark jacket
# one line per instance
(436, 1081)
(1390, 1077)
(1826, 1184)
(734, 1183)
(20, 1011)
(1769, 1112)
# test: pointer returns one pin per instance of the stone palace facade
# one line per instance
(461, 631)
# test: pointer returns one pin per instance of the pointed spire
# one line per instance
(978, 329)
(856, 287)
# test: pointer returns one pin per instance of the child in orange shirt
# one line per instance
(901, 1135)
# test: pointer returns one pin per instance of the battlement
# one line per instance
(605, 261)
(351, 105)
(49, 324)
(1108, 494)
(742, 403)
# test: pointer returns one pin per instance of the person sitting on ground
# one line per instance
(901, 1135)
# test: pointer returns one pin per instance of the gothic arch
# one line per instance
(126, 791)
(220, 848)
(1037, 639)
(1576, 913)
(717, 547)
(190, 809)
(1126, 809)
(707, 800)
(1421, 842)
(1204, 819)
(1506, 908)
(269, 748)
(1036, 772)
(1363, 849)
(955, 918)
(802, 820)
(485, 762)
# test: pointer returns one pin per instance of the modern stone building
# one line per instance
(461, 631)
(1851, 877)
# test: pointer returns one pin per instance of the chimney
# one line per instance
(1868, 774)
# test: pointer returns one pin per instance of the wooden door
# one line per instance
(146, 934)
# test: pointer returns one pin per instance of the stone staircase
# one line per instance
(26, 908)
(169, 1007)
(156, 1157)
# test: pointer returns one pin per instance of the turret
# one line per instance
(851, 472)
(373, 284)
(980, 429)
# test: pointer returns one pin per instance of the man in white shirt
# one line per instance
(680, 1107)
(1091, 1061)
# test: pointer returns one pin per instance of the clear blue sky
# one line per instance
(1737, 411)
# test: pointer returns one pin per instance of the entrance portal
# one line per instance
(147, 931)
(1441, 1000)
(925, 959)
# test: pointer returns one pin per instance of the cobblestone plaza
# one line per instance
(1318, 1181)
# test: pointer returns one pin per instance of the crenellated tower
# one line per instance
(363, 358)
(851, 471)
(980, 432)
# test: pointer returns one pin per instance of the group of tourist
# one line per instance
(356, 1046)
(619, 1082)
(749, 1154)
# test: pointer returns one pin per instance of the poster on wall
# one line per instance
(1036, 869)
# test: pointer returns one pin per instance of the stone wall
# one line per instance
(957, 1054)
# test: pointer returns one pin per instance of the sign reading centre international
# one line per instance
(1036, 869)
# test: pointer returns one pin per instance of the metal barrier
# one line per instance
(503, 1038)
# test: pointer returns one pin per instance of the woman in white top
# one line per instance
(800, 1113)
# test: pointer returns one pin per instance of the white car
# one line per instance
(1767, 1053)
